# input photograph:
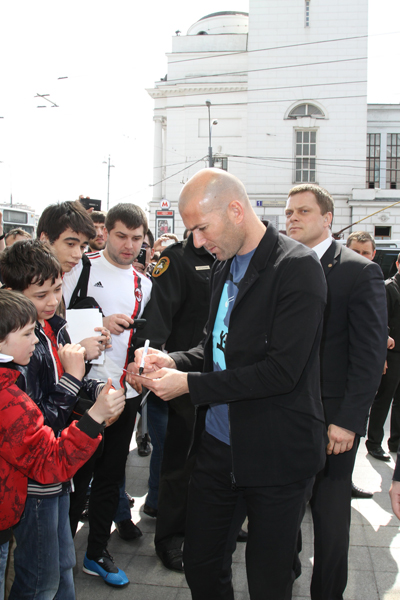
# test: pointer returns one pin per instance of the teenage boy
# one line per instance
(53, 377)
(27, 447)
(67, 227)
(122, 295)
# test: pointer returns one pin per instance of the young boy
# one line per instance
(27, 447)
(53, 378)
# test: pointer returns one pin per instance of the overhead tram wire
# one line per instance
(224, 54)
(184, 80)
(177, 173)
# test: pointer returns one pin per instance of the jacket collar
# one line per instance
(56, 322)
(331, 257)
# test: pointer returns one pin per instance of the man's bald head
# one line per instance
(213, 190)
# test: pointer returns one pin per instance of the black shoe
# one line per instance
(85, 511)
(130, 499)
(149, 511)
(144, 448)
(393, 449)
(171, 559)
(380, 454)
(128, 530)
(357, 492)
(242, 536)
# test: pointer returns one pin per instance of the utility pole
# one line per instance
(215, 122)
(110, 166)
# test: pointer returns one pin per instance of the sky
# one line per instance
(109, 54)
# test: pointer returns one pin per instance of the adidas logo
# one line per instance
(98, 284)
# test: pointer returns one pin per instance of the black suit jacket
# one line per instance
(271, 382)
(354, 339)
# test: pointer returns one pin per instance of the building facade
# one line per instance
(281, 93)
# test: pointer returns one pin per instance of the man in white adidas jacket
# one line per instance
(122, 295)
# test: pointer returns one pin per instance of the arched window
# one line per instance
(306, 110)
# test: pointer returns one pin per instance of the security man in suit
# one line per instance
(353, 351)
(257, 371)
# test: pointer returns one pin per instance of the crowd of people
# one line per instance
(266, 354)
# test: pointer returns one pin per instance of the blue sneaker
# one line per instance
(104, 567)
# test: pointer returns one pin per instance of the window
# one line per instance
(307, 15)
(393, 161)
(382, 233)
(373, 159)
(306, 110)
(306, 154)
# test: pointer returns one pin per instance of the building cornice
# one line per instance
(166, 92)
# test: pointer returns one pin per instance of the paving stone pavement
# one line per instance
(374, 565)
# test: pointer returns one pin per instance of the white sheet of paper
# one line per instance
(80, 325)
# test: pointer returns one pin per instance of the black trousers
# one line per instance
(331, 510)
(108, 473)
(176, 469)
(215, 514)
(389, 390)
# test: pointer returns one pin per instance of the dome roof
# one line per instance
(228, 21)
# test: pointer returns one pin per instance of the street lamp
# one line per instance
(110, 166)
(215, 122)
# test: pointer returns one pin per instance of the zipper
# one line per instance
(233, 480)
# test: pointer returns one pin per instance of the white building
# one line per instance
(287, 85)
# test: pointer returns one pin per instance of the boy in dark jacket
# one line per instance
(27, 447)
(53, 379)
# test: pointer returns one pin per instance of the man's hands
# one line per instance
(161, 375)
(340, 440)
(165, 383)
(95, 345)
(109, 404)
(390, 343)
(72, 357)
(117, 323)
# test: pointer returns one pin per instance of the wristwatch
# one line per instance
(2, 236)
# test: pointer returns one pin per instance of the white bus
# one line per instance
(18, 215)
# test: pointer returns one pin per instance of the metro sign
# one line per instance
(165, 204)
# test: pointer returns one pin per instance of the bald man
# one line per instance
(256, 373)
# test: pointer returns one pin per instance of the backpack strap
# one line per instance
(80, 291)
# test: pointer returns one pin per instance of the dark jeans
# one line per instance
(215, 514)
(389, 390)
(109, 471)
(45, 553)
(331, 511)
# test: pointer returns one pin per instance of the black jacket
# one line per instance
(354, 339)
(393, 306)
(55, 399)
(272, 377)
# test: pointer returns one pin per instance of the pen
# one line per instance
(145, 350)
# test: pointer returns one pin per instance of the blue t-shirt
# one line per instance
(217, 420)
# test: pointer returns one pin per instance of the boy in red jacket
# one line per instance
(28, 448)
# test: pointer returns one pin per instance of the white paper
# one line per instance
(80, 325)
